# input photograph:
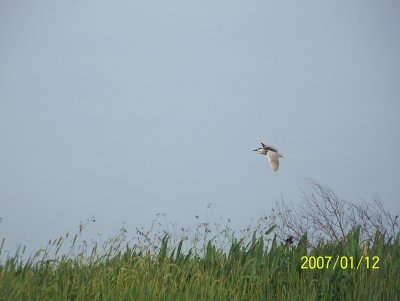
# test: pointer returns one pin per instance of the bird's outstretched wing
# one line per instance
(273, 160)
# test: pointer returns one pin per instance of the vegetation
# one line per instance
(257, 267)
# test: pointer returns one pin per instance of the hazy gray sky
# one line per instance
(124, 109)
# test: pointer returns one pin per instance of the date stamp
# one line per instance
(339, 262)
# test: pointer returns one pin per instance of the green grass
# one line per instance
(252, 269)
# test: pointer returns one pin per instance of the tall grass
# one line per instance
(259, 268)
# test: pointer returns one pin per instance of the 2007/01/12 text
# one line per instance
(341, 262)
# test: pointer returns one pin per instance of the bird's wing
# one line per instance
(273, 160)
(269, 147)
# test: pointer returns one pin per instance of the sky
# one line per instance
(124, 109)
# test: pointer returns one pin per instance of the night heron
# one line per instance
(272, 154)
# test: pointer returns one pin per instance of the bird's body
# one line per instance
(272, 153)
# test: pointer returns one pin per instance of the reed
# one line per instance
(257, 268)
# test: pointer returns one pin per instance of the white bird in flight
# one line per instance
(272, 154)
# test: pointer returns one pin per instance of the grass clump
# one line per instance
(329, 249)
(259, 269)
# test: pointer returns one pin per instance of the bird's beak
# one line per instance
(254, 150)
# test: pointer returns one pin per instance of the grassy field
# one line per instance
(257, 268)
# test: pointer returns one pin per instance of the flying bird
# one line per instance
(272, 154)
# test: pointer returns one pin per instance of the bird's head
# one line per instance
(260, 150)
